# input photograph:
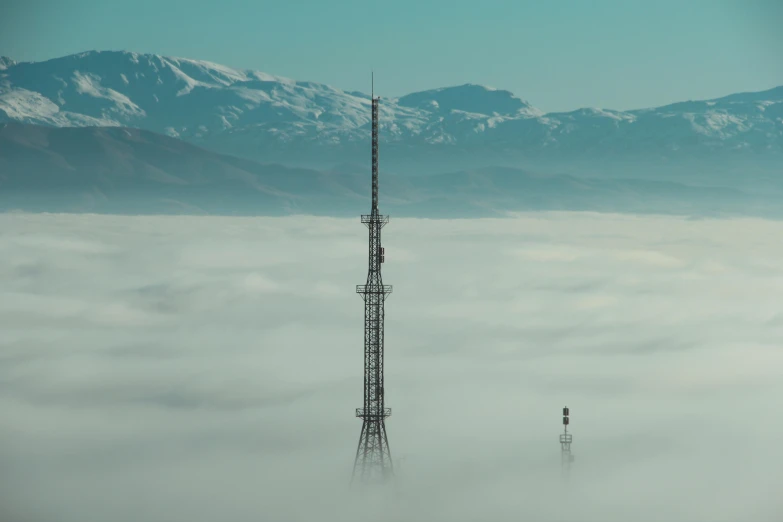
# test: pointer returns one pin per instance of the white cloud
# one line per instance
(649, 257)
(258, 283)
(199, 368)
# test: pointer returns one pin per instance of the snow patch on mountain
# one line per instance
(90, 85)
(471, 98)
(26, 106)
(6, 62)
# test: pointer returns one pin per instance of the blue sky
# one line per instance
(558, 55)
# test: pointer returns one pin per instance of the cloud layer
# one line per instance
(199, 369)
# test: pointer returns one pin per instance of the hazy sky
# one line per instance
(558, 55)
(193, 369)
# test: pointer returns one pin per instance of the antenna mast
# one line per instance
(373, 458)
(375, 103)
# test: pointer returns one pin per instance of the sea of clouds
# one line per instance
(189, 369)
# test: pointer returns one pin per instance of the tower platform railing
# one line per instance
(369, 219)
(373, 289)
(373, 413)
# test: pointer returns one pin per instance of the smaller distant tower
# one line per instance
(566, 458)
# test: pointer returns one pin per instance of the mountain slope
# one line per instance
(129, 170)
(257, 115)
(6, 62)
(120, 170)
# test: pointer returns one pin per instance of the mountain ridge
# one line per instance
(132, 171)
(271, 118)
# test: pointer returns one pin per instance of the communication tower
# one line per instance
(373, 461)
(566, 458)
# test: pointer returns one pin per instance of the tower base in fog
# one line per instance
(373, 462)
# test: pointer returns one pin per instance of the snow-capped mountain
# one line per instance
(257, 115)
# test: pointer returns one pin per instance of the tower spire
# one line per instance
(373, 459)
(375, 117)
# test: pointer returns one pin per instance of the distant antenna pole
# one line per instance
(566, 458)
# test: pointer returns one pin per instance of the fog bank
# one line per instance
(201, 368)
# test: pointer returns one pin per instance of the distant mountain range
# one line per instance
(131, 171)
(255, 115)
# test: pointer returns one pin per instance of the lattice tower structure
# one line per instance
(373, 461)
